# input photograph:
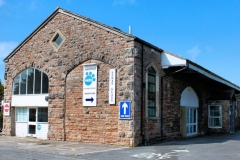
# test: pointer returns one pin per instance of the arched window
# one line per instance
(30, 81)
(151, 83)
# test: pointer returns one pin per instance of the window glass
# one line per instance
(151, 79)
(215, 117)
(57, 40)
(23, 82)
(151, 112)
(44, 83)
(30, 81)
(16, 85)
(21, 114)
(151, 87)
(38, 77)
(151, 103)
(151, 92)
(42, 114)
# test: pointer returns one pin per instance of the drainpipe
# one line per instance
(143, 105)
(162, 95)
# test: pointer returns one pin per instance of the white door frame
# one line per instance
(190, 121)
(34, 123)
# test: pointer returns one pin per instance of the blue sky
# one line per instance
(206, 32)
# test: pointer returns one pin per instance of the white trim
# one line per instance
(157, 91)
(192, 124)
(168, 60)
(215, 116)
(189, 98)
(199, 70)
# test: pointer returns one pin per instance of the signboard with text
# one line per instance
(90, 85)
(112, 86)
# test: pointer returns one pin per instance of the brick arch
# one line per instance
(154, 67)
(108, 59)
(92, 126)
(29, 65)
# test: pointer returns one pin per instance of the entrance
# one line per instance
(31, 121)
(32, 117)
(189, 112)
(191, 121)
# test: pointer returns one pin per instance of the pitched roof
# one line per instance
(114, 30)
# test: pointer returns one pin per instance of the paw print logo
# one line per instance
(90, 77)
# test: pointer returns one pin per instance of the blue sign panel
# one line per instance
(39, 127)
(124, 109)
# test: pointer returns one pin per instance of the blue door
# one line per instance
(231, 117)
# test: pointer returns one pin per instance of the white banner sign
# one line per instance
(6, 109)
(90, 85)
(112, 85)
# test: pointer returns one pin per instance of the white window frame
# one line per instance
(220, 117)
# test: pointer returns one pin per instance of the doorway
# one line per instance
(191, 121)
(32, 117)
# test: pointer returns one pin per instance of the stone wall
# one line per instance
(84, 43)
(151, 126)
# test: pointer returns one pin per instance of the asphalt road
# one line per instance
(214, 147)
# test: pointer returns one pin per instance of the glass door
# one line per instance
(32, 117)
(191, 121)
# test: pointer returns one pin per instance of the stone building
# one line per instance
(75, 79)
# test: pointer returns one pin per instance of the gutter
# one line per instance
(162, 78)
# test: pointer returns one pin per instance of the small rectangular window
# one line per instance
(21, 114)
(42, 114)
(214, 116)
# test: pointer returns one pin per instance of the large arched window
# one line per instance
(30, 81)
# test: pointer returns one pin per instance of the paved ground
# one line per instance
(219, 147)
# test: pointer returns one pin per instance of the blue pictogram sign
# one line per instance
(90, 77)
(39, 127)
(124, 109)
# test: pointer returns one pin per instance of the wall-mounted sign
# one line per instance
(112, 86)
(39, 127)
(6, 109)
(89, 85)
(124, 110)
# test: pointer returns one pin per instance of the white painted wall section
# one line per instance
(169, 60)
(189, 98)
(30, 100)
(21, 129)
(42, 131)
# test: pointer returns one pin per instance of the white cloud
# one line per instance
(122, 2)
(6, 48)
(194, 52)
(1, 2)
